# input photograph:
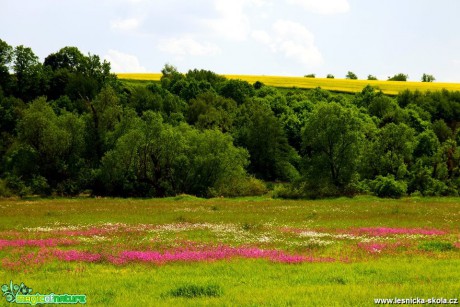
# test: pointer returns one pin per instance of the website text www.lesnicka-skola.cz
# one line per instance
(416, 300)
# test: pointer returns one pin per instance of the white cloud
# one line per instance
(292, 40)
(122, 62)
(188, 46)
(261, 37)
(327, 7)
(125, 24)
(232, 22)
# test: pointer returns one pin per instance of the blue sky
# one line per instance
(284, 37)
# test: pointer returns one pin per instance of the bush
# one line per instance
(191, 291)
(17, 186)
(4, 191)
(239, 187)
(258, 85)
(39, 185)
(388, 187)
(436, 246)
(289, 191)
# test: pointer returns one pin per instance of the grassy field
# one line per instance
(338, 85)
(227, 252)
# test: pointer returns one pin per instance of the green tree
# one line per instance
(332, 140)
(157, 159)
(142, 99)
(68, 64)
(261, 133)
(205, 75)
(399, 77)
(69, 58)
(105, 114)
(49, 149)
(391, 151)
(11, 110)
(330, 76)
(211, 111)
(170, 75)
(366, 96)
(237, 90)
(371, 77)
(351, 75)
(428, 78)
(31, 80)
(383, 107)
(442, 131)
(6, 57)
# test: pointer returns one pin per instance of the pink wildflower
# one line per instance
(36, 243)
(211, 254)
(74, 255)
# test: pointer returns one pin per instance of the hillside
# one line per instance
(337, 85)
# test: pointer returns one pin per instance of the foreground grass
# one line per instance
(252, 283)
(337, 85)
(409, 266)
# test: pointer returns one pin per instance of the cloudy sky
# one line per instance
(283, 37)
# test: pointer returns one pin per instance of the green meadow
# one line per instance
(226, 252)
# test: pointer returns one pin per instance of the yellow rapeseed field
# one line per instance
(338, 85)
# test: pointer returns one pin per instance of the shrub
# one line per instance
(39, 185)
(436, 246)
(191, 291)
(388, 187)
(4, 191)
(235, 187)
(289, 191)
(17, 186)
(258, 85)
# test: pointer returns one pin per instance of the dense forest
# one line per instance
(69, 126)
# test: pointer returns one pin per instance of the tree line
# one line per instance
(69, 126)
(398, 77)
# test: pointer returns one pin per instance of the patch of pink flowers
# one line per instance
(457, 245)
(36, 243)
(384, 231)
(211, 254)
(25, 261)
(74, 255)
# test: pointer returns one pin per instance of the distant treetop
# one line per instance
(399, 77)
(351, 75)
(371, 77)
(428, 78)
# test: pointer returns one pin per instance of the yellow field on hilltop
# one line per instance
(339, 85)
